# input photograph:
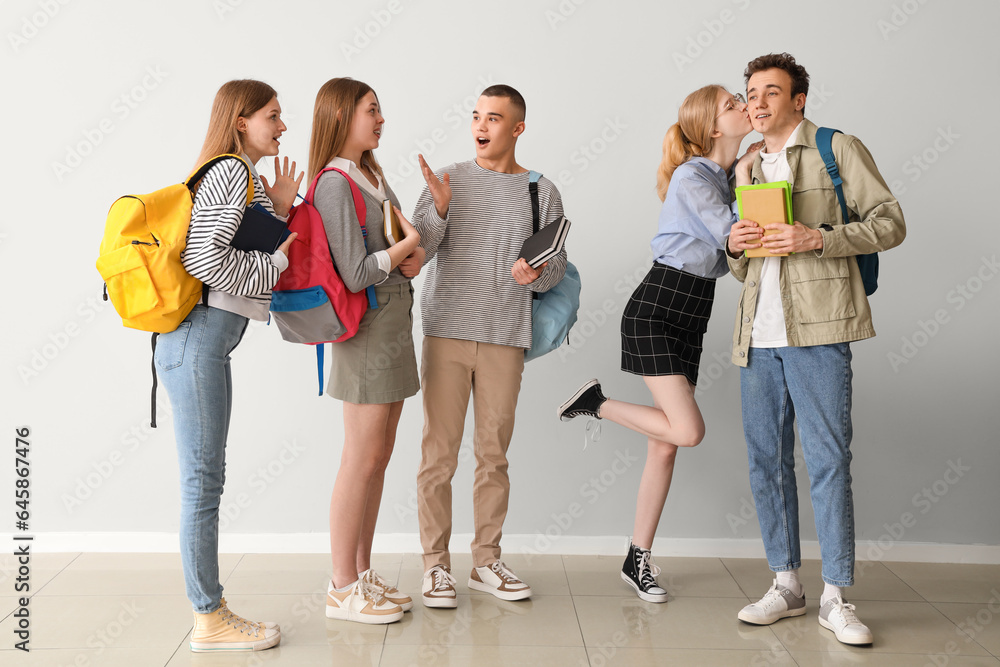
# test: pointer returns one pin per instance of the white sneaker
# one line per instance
(777, 603)
(497, 579)
(837, 615)
(362, 603)
(438, 588)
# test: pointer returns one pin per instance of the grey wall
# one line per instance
(103, 99)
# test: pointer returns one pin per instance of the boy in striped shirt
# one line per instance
(476, 309)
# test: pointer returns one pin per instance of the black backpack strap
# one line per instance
(536, 214)
(152, 405)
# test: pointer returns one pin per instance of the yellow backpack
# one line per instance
(140, 258)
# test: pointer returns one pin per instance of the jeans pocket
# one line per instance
(170, 347)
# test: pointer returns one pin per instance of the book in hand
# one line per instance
(765, 204)
(545, 244)
(393, 230)
(259, 230)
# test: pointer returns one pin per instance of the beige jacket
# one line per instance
(822, 295)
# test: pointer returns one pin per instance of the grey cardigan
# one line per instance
(357, 266)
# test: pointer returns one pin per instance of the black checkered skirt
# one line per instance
(664, 323)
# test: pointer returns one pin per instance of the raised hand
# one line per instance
(440, 190)
(286, 185)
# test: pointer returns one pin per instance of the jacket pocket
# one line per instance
(814, 201)
(821, 289)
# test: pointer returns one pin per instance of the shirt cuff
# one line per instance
(279, 260)
(384, 264)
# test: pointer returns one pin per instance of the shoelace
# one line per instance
(440, 577)
(771, 597)
(647, 571)
(238, 621)
(375, 579)
(501, 570)
(847, 613)
(371, 592)
(592, 433)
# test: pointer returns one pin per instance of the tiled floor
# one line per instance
(130, 610)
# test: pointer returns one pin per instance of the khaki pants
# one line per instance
(449, 370)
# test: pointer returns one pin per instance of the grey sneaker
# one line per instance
(837, 615)
(777, 603)
(586, 401)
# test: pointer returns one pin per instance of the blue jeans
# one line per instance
(192, 362)
(813, 385)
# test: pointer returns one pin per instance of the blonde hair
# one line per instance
(236, 99)
(333, 116)
(690, 136)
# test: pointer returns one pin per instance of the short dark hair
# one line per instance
(503, 90)
(782, 61)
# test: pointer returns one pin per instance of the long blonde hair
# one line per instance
(690, 136)
(236, 99)
(333, 116)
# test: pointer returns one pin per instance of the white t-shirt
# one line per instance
(769, 320)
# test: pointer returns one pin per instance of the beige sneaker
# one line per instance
(438, 589)
(392, 594)
(361, 603)
(498, 579)
(222, 630)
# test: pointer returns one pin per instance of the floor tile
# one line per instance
(103, 656)
(483, 656)
(872, 580)
(976, 622)
(697, 623)
(483, 620)
(898, 627)
(938, 582)
(106, 621)
(127, 574)
(279, 574)
(681, 577)
(8, 605)
(360, 655)
(42, 569)
(859, 658)
(655, 657)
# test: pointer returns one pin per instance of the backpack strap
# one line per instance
(533, 178)
(824, 142)
(152, 405)
(362, 212)
(200, 172)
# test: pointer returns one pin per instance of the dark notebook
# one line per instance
(259, 230)
(545, 244)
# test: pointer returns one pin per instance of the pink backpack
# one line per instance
(310, 303)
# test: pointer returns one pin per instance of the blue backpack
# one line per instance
(553, 313)
(868, 264)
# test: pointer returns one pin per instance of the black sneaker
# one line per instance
(640, 574)
(586, 401)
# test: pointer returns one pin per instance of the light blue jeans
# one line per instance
(192, 362)
(813, 386)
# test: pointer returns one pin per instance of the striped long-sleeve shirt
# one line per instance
(239, 281)
(468, 292)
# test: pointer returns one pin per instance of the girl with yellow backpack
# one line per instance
(192, 361)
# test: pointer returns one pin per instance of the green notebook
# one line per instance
(765, 204)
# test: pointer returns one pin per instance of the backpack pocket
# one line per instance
(130, 287)
(306, 316)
